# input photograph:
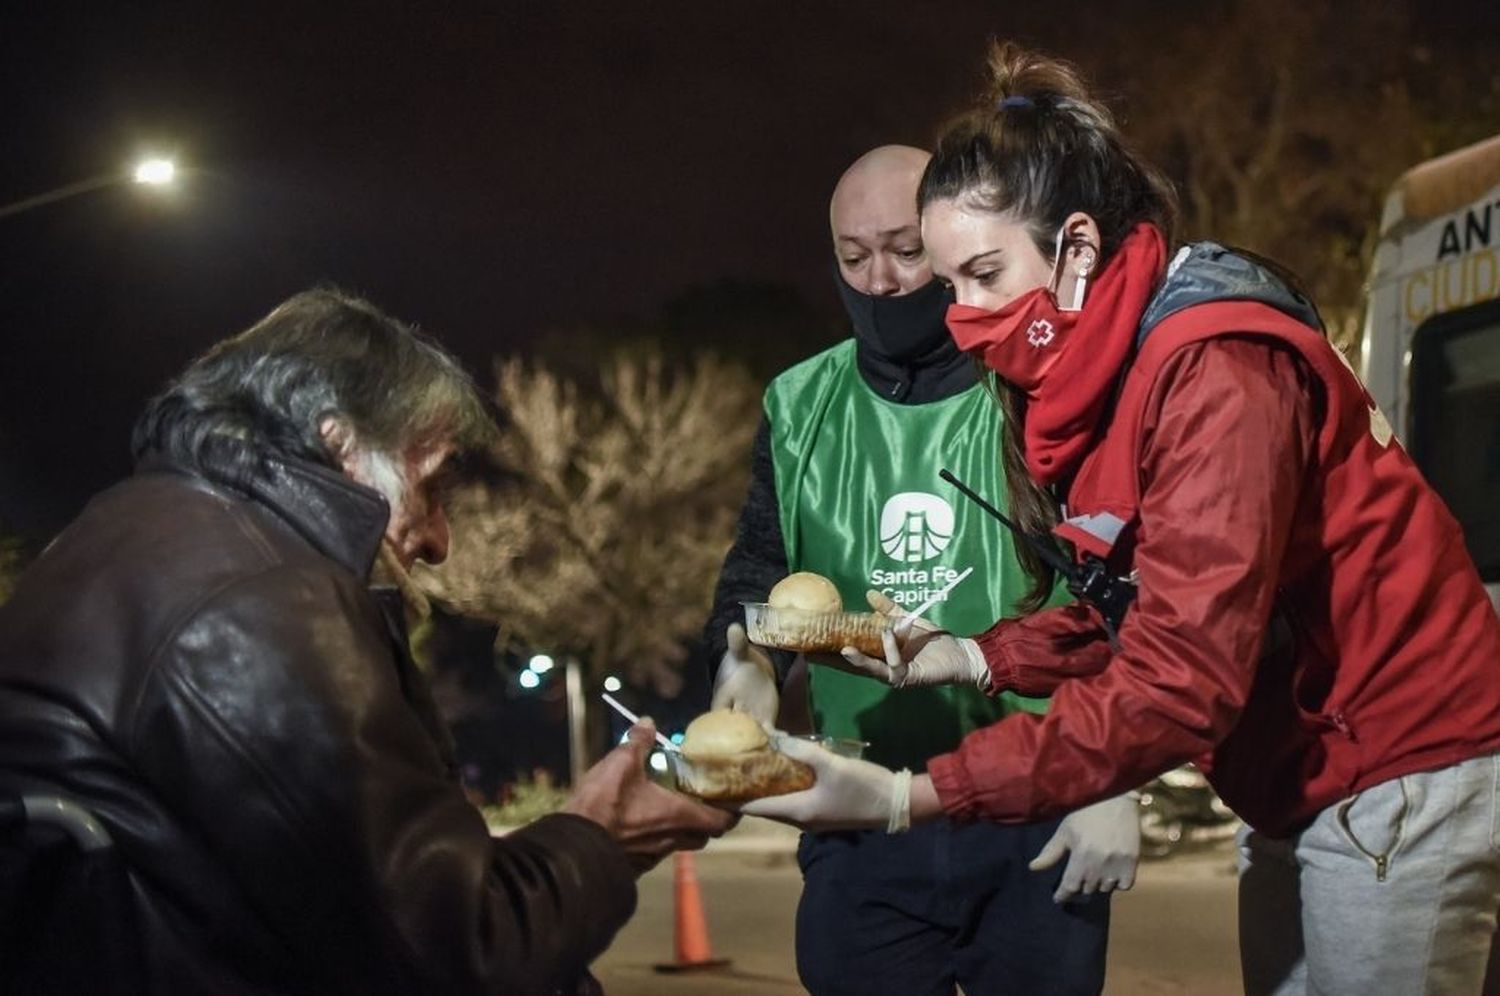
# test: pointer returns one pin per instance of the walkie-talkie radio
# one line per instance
(1089, 581)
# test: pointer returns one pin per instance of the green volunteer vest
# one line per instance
(862, 504)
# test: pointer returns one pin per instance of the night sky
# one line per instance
(490, 172)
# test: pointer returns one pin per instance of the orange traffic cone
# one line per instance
(693, 951)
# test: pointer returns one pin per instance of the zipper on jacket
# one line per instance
(1283, 606)
(1342, 725)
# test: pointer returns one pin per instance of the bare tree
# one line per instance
(1284, 123)
(605, 540)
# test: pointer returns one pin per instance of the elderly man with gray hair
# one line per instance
(201, 662)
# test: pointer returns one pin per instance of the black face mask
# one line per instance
(899, 328)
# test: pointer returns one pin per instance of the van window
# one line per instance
(1455, 422)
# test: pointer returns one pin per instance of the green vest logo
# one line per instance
(915, 526)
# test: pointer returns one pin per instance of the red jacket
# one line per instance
(1245, 472)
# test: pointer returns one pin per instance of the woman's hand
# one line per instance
(848, 794)
(917, 653)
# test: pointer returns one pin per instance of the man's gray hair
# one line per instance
(319, 354)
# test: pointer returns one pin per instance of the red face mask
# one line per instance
(1021, 341)
(1026, 343)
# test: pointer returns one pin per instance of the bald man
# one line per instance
(845, 483)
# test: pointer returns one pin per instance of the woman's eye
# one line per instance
(852, 261)
(987, 278)
(909, 254)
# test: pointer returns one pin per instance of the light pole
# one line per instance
(578, 741)
(148, 173)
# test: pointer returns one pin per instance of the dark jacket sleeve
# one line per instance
(274, 722)
(756, 560)
(1228, 438)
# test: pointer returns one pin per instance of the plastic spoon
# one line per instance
(634, 719)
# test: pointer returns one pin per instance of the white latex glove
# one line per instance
(848, 795)
(919, 654)
(746, 680)
(1103, 842)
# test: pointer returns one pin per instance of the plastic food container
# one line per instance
(736, 779)
(843, 746)
(815, 632)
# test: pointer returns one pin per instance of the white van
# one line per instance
(1431, 346)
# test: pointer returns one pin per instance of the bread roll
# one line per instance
(727, 757)
(721, 733)
(807, 592)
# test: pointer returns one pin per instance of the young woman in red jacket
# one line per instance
(1307, 626)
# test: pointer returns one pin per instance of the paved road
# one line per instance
(1174, 933)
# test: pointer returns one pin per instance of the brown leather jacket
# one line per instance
(203, 665)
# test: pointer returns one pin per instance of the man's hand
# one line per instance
(917, 653)
(1104, 844)
(746, 679)
(649, 821)
(848, 794)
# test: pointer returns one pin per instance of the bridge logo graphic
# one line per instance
(915, 526)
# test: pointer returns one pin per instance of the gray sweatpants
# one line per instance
(1394, 890)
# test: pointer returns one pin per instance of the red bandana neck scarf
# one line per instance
(1027, 343)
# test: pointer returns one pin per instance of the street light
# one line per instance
(154, 172)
